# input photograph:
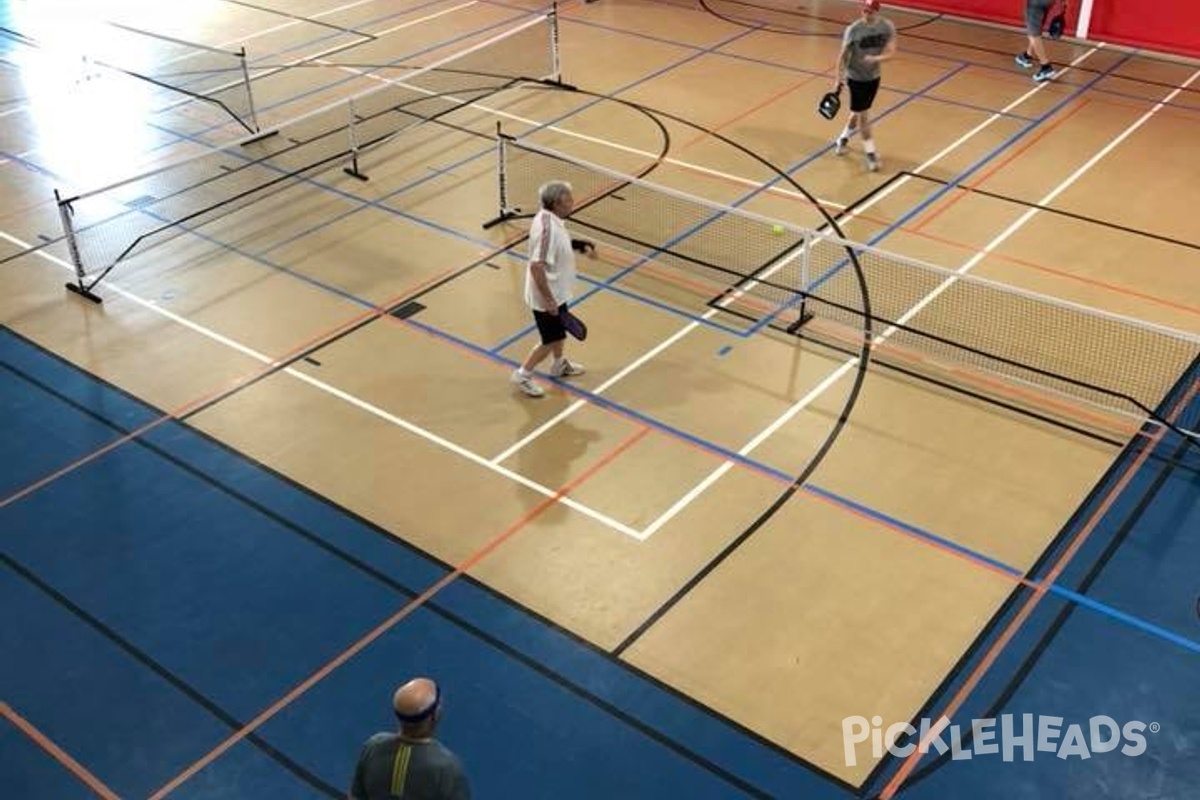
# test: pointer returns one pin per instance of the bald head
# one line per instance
(416, 704)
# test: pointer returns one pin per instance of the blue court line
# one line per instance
(949, 186)
(878, 516)
(616, 689)
(789, 68)
(736, 203)
(730, 455)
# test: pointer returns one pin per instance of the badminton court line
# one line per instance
(315, 57)
(82, 773)
(851, 364)
(803, 402)
(357, 402)
(539, 126)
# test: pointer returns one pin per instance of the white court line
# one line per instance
(960, 141)
(348, 398)
(317, 56)
(777, 190)
(849, 365)
(805, 401)
(964, 269)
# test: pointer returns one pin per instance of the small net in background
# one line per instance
(1052, 358)
(109, 225)
(172, 70)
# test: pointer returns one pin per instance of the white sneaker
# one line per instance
(525, 384)
(873, 162)
(566, 369)
(839, 146)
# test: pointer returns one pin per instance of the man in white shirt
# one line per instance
(549, 284)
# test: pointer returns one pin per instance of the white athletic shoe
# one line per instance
(873, 162)
(566, 369)
(839, 146)
(525, 384)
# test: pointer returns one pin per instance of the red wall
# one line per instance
(1169, 26)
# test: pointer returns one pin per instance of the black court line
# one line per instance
(1060, 212)
(1027, 666)
(1052, 550)
(483, 635)
(299, 18)
(195, 695)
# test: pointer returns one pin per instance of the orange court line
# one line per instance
(1040, 589)
(748, 111)
(389, 623)
(233, 386)
(1008, 158)
(41, 740)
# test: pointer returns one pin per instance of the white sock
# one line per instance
(847, 132)
(869, 146)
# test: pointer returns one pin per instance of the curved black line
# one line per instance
(851, 400)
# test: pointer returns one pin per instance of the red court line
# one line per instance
(748, 111)
(1111, 287)
(233, 386)
(41, 740)
(389, 623)
(1040, 589)
(1008, 158)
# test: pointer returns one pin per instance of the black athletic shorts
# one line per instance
(550, 325)
(862, 94)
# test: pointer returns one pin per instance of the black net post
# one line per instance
(249, 91)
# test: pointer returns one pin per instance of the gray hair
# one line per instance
(550, 193)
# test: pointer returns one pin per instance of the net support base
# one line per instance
(260, 137)
(505, 216)
(85, 291)
(354, 173)
(804, 318)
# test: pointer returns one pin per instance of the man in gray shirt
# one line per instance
(868, 41)
(411, 764)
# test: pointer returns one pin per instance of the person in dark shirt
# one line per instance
(410, 764)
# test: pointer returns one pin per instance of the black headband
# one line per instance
(426, 712)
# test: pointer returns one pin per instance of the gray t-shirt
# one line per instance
(866, 38)
(390, 768)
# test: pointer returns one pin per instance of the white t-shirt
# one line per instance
(550, 242)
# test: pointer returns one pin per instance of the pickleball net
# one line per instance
(108, 226)
(1055, 359)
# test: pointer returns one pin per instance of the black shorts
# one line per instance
(862, 94)
(550, 325)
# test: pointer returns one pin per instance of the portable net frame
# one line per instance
(1055, 359)
(107, 226)
(210, 75)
